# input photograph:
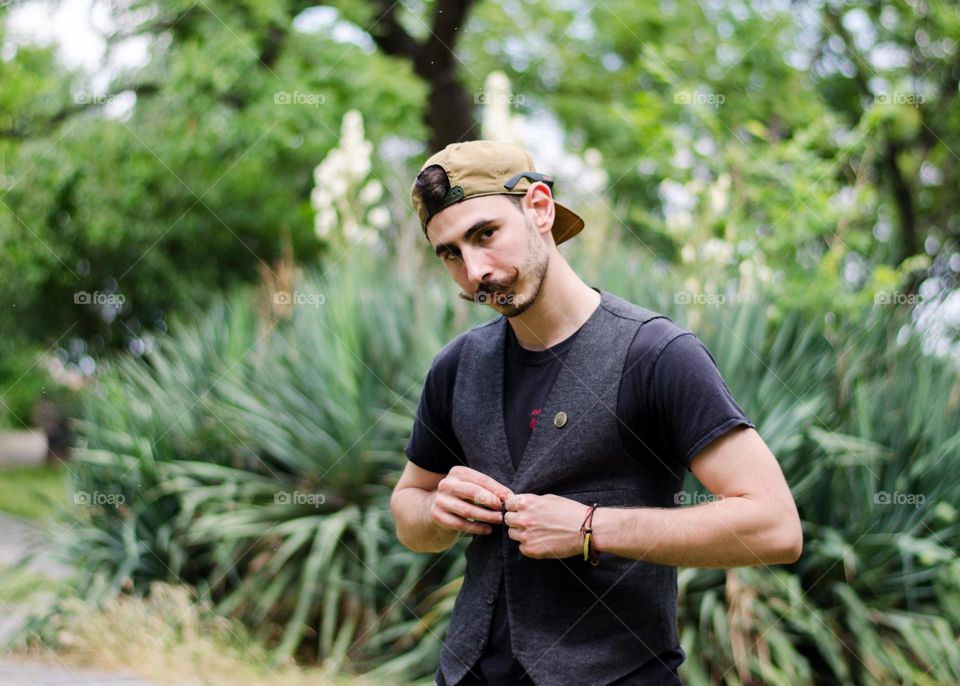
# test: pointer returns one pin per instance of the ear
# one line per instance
(539, 203)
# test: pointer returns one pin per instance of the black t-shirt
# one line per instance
(670, 407)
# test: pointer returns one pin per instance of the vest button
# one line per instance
(491, 599)
(560, 419)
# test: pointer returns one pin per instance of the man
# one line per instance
(573, 412)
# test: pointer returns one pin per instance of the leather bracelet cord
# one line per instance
(589, 551)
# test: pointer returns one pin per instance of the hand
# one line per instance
(465, 498)
(545, 525)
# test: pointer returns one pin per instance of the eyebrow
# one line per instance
(478, 225)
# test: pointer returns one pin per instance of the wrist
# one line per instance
(586, 532)
(439, 537)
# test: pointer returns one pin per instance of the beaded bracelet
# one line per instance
(589, 552)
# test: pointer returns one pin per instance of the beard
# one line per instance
(533, 268)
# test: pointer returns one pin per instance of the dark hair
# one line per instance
(433, 183)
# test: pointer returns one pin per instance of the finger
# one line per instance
(472, 493)
(514, 503)
(451, 521)
(481, 479)
(481, 496)
(466, 510)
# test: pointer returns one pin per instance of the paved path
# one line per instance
(14, 673)
(27, 447)
(20, 538)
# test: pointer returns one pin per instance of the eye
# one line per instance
(488, 232)
(448, 256)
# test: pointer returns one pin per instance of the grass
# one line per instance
(17, 586)
(33, 492)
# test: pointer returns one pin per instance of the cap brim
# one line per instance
(566, 223)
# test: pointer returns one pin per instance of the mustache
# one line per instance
(492, 287)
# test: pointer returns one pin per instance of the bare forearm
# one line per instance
(415, 527)
(731, 532)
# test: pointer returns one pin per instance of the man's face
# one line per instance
(493, 251)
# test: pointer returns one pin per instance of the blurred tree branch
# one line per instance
(448, 114)
(900, 186)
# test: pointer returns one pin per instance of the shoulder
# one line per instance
(443, 369)
(448, 357)
(652, 330)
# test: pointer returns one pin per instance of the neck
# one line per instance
(565, 302)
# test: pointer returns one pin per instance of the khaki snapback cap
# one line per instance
(477, 168)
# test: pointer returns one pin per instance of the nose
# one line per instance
(475, 266)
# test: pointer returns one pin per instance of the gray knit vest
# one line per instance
(570, 622)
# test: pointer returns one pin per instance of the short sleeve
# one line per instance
(433, 445)
(692, 401)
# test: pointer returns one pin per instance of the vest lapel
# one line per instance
(489, 360)
(573, 380)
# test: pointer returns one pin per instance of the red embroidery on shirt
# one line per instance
(533, 418)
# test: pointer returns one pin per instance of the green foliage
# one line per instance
(24, 384)
(814, 140)
(195, 189)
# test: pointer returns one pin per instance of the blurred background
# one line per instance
(217, 311)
